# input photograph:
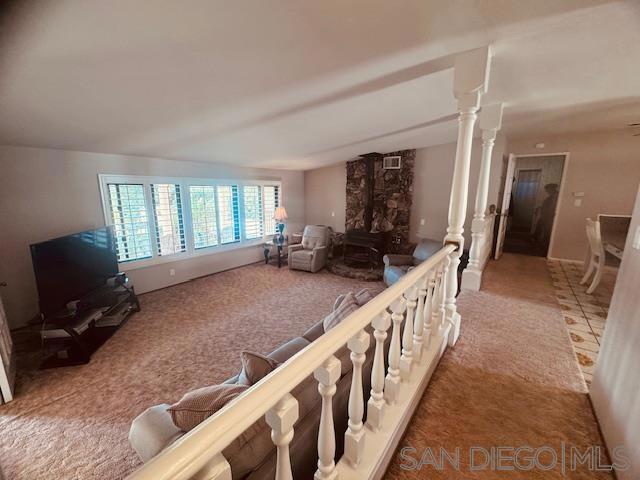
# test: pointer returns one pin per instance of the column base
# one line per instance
(471, 279)
(354, 447)
(454, 333)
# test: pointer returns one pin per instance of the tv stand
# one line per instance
(70, 338)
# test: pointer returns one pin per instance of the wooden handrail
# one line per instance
(191, 453)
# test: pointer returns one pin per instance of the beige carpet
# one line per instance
(72, 423)
(512, 380)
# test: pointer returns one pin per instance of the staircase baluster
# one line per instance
(281, 419)
(327, 375)
(428, 308)
(418, 324)
(354, 437)
(392, 381)
(375, 406)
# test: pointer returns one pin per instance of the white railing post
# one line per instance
(327, 375)
(490, 122)
(375, 405)
(418, 324)
(281, 419)
(471, 73)
(354, 437)
(392, 382)
(406, 359)
(442, 308)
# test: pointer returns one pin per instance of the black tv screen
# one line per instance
(69, 267)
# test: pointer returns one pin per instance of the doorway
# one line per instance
(530, 203)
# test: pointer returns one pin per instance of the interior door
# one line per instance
(8, 370)
(506, 200)
(524, 199)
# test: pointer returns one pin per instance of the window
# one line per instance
(203, 216)
(228, 213)
(253, 213)
(164, 217)
(271, 202)
(130, 222)
(167, 211)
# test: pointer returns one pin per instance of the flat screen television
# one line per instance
(70, 267)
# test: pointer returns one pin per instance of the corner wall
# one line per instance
(604, 165)
(615, 391)
(49, 193)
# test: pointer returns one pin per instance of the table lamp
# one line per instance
(280, 216)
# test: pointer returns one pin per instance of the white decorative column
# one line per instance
(490, 123)
(471, 73)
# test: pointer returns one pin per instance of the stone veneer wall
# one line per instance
(392, 196)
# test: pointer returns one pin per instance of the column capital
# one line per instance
(471, 76)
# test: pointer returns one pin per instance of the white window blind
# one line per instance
(155, 217)
(203, 216)
(128, 210)
(167, 210)
(228, 213)
(271, 202)
(253, 213)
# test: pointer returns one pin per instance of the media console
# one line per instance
(71, 337)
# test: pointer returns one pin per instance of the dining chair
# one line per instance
(597, 256)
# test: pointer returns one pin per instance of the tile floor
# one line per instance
(584, 315)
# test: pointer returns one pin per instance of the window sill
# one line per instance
(178, 257)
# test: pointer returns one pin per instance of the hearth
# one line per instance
(363, 247)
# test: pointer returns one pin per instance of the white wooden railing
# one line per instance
(414, 310)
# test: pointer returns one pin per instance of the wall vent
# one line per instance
(392, 163)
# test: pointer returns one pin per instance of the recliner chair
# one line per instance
(311, 254)
(395, 266)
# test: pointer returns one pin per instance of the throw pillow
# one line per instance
(338, 301)
(363, 296)
(254, 368)
(198, 405)
(346, 308)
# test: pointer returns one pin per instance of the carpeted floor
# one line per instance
(512, 380)
(72, 423)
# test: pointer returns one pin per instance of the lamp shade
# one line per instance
(280, 214)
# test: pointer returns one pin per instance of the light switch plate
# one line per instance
(636, 239)
(577, 202)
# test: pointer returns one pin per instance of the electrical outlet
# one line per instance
(172, 272)
(333, 214)
(577, 202)
(422, 221)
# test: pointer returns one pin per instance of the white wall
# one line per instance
(48, 193)
(603, 165)
(615, 391)
(325, 196)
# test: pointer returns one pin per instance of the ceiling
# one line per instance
(301, 84)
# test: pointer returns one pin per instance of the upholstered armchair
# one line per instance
(395, 266)
(311, 254)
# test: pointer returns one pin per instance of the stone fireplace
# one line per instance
(379, 201)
